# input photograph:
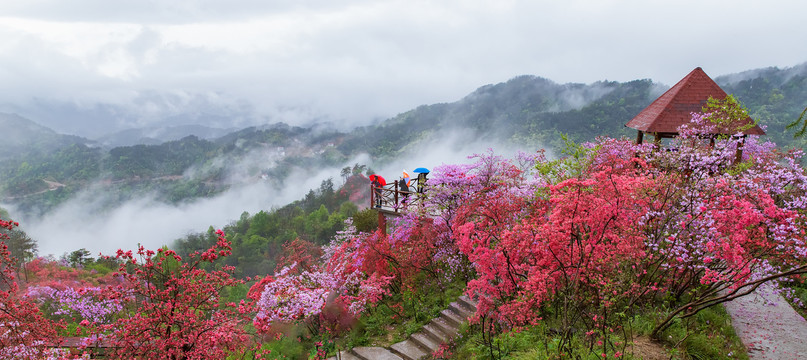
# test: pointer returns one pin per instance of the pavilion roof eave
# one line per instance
(676, 106)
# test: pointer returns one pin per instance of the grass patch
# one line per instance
(707, 335)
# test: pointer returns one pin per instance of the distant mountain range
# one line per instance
(158, 135)
(21, 137)
(526, 110)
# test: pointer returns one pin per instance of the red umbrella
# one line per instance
(379, 178)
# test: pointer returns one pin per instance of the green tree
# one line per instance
(345, 173)
(366, 220)
(728, 113)
(79, 258)
(23, 248)
(801, 120)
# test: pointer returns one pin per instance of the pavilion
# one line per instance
(675, 107)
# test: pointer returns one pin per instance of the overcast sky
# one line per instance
(353, 61)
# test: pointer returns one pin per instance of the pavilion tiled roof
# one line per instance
(675, 107)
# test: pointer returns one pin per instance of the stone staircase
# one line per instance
(422, 343)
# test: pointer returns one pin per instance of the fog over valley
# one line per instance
(95, 220)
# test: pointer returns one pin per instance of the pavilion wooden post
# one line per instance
(639, 137)
(739, 156)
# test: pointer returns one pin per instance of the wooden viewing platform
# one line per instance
(390, 200)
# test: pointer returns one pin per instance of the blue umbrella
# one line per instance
(421, 171)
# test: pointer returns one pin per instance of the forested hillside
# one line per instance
(526, 111)
(774, 97)
(22, 138)
(258, 239)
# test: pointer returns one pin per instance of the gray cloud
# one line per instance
(352, 62)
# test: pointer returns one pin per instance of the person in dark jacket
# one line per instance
(421, 182)
(404, 190)
(377, 190)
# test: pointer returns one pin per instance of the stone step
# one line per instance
(422, 344)
(345, 355)
(452, 317)
(460, 310)
(374, 353)
(409, 350)
(434, 333)
(445, 327)
(425, 342)
(467, 302)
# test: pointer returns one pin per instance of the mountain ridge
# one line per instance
(527, 111)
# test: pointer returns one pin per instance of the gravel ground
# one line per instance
(768, 326)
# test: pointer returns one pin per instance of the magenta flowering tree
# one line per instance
(24, 332)
(171, 308)
(452, 186)
(293, 297)
(341, 285)
(539, 244)
(322, 301)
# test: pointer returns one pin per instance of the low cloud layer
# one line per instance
(78, 223)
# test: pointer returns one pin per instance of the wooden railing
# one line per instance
(390, 198)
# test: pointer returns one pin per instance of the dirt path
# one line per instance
(52, 185)
(768, 326)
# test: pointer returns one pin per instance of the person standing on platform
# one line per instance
(421, 182)
(377, 190)
(404, 188)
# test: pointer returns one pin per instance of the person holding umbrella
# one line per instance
(377, 182)
(422, 172)
(404, 187)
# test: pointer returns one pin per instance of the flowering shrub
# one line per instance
(85, 303)
(24, 332)
(634, 225)
(178, 308)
